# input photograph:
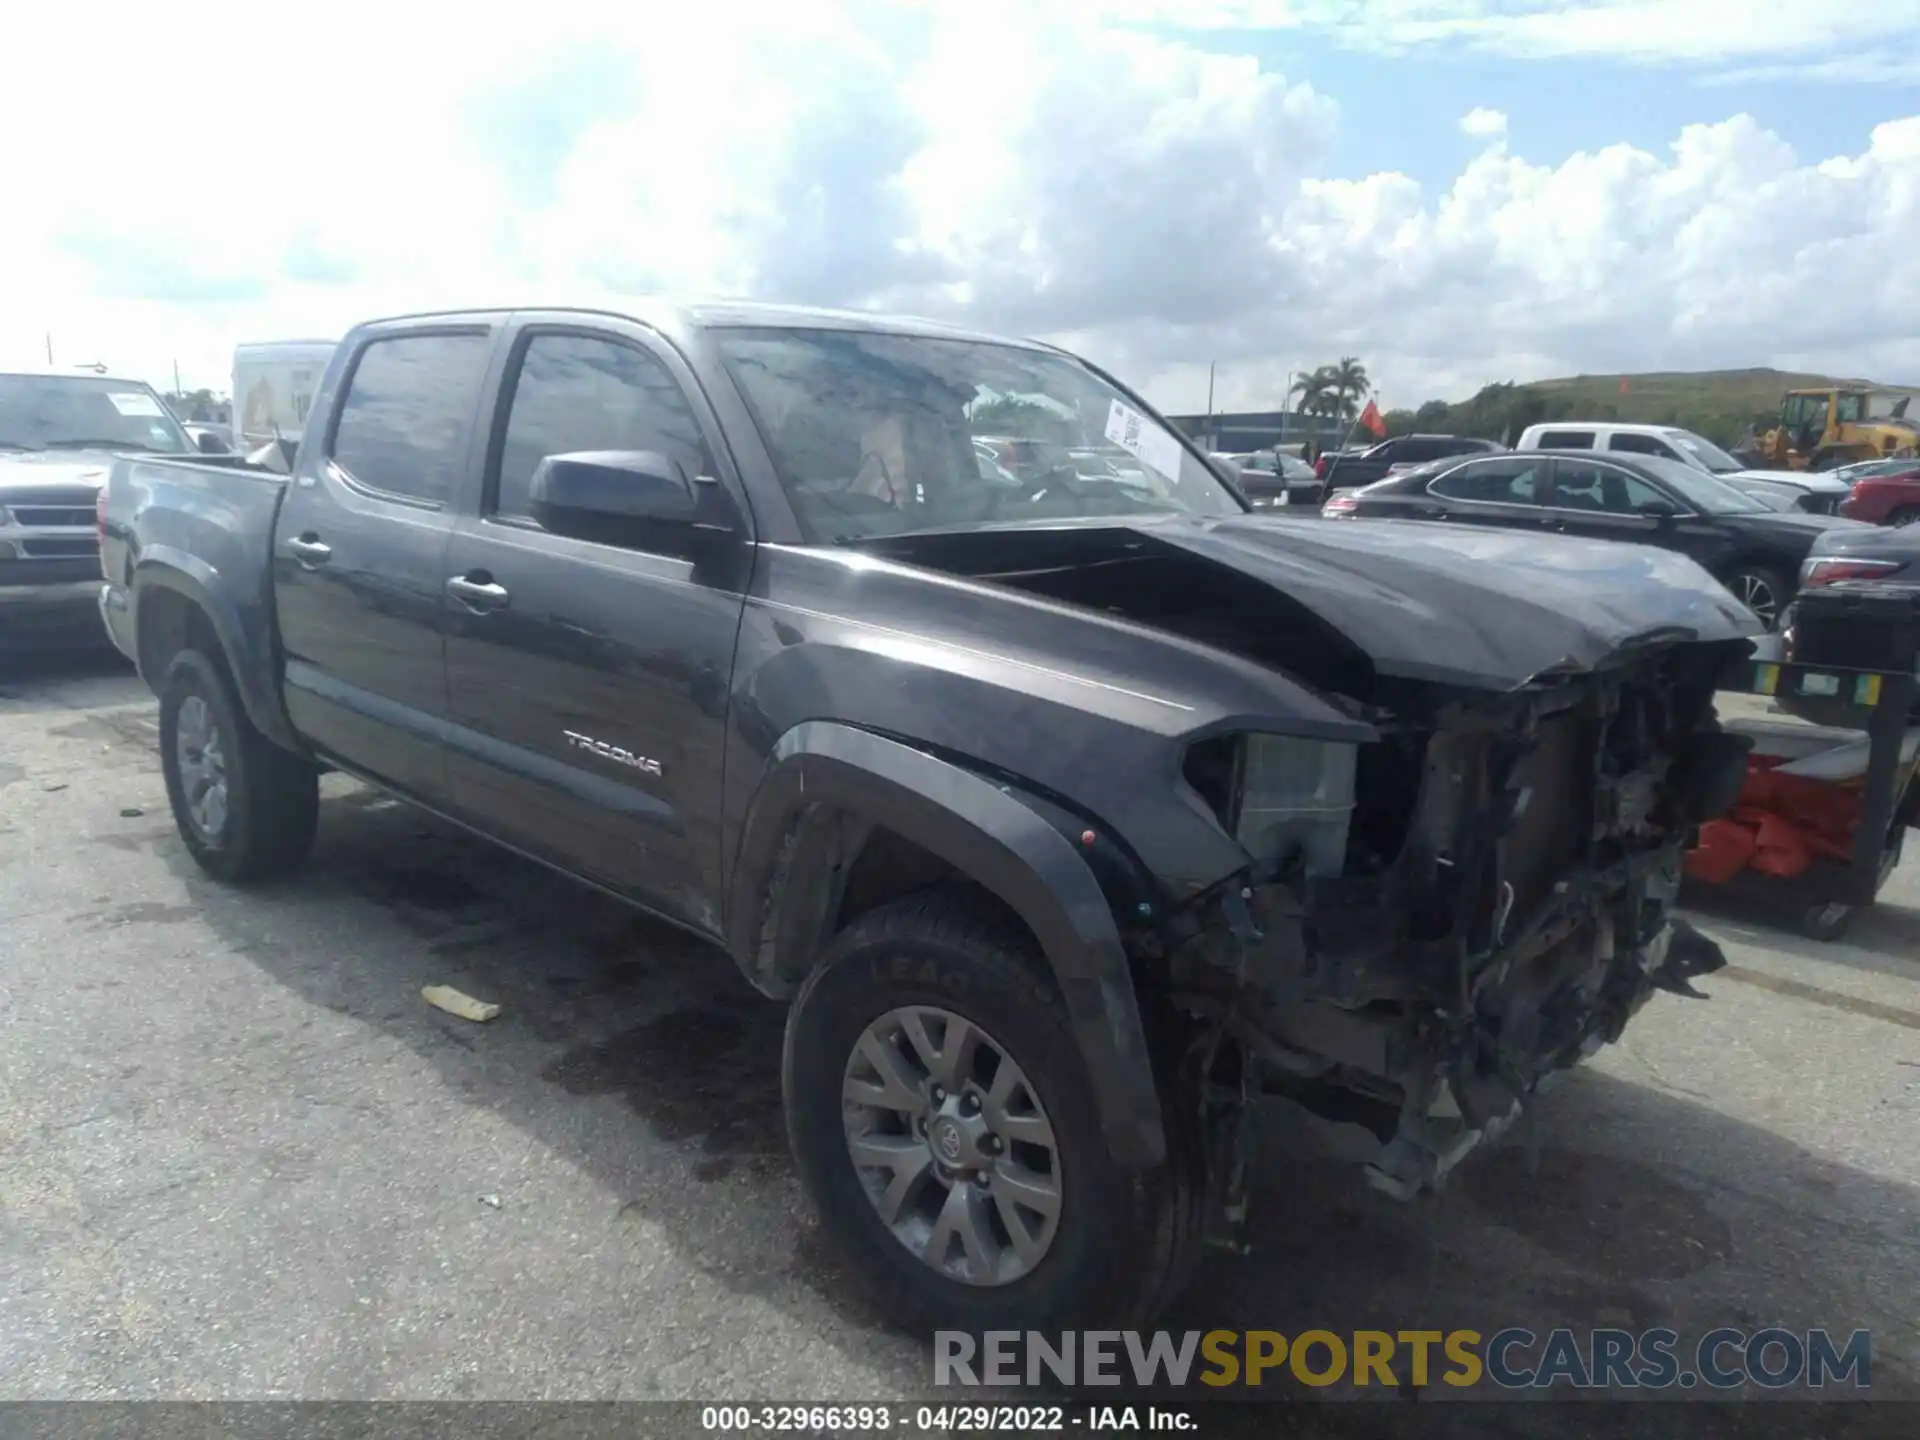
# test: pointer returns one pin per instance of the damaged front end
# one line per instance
(1434, 924)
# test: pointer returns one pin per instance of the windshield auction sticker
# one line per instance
(132, 402)
(1144, 440)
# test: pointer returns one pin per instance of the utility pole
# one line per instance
(1211, 445)
(49, 349)
(176, 378)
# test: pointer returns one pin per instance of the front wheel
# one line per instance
(946, 1130)
(246, 809)
(1763, 590)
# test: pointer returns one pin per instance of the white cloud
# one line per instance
(1154, 204)
(1662, 32)
(1484, 124)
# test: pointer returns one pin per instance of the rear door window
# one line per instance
(1510, 480)
(1603, 488)
(405, 420)
(1633, 444)
(1566, 440)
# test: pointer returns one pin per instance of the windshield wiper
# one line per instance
(96, 443)
(18, 445)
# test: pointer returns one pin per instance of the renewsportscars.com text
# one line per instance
(1512, 1359)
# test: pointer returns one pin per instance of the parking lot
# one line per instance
(241, 1157)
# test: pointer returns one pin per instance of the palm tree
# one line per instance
(1312, 389)
(1349, 381)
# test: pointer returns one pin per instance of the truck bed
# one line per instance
(204, 530)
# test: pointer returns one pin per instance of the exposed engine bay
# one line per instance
(1501, 908)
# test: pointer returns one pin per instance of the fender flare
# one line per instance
(253, 669)
(987, 833)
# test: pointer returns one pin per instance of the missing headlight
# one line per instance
(1284, 798)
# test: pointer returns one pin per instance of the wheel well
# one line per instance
(886, 866)
(835, 867)
(170, 623)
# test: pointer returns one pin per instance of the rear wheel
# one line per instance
(246, 809)
(1905, 515)
(1763, 590)
(947, 1131)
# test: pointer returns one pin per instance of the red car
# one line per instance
(1886, 492)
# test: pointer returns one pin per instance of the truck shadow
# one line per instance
(35, 680)
(1643, 1209)
(1884, 937)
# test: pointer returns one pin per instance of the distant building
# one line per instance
(1235, 434)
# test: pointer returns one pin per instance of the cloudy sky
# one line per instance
(1457, 191)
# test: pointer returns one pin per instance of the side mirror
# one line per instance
(211, 443)
(1659, 509)
(617, 497)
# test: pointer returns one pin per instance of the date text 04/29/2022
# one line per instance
(942, 1419)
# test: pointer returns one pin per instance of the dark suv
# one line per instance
(1344, 471)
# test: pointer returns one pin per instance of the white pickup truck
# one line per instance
(1816, 493)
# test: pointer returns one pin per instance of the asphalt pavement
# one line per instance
(240, 1157)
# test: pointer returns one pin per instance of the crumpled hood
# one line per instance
(1490, 609)
(38, 469)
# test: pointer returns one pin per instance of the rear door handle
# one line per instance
(309, 551)
(478, 594)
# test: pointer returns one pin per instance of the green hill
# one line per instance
(1720, 404)
(1743, 392)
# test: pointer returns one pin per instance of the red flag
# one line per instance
(1371, 421)
(1623, 384)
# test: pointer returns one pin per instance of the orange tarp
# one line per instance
(1779, 825)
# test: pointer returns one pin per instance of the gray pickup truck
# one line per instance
(1073, 812)
(58, 434)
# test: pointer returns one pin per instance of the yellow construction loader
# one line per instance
(1825, 429)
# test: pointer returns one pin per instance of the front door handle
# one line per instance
(308, 550)
(478, 594)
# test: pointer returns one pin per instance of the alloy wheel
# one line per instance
(200, 753)
(1757, 595)
(952, 1145)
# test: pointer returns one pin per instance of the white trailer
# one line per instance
(274, 383)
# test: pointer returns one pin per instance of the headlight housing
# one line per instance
(1286, 799)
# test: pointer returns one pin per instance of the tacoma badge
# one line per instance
(612, 752)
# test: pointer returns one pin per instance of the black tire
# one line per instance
(1125, 1243)
(1826, 922)
(1905, 515)
(1742, 579)
(272, 797)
